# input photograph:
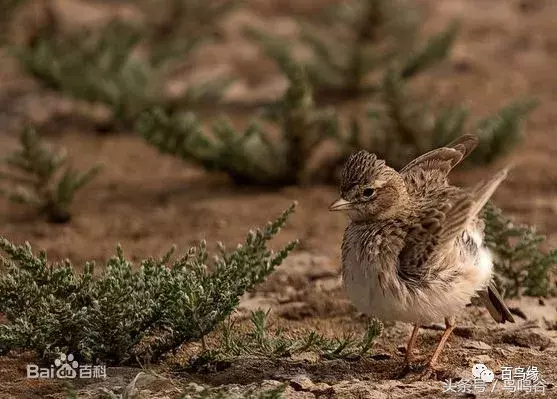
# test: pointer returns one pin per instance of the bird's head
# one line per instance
(369, 189)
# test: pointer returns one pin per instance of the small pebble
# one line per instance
(484, 359)
(480, 345)
(301, 383)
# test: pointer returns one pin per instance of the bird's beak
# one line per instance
(340, 205)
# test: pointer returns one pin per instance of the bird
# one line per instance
(413, 250)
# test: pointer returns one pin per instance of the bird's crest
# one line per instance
(359, 167)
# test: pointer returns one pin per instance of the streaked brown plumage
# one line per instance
(413, 250)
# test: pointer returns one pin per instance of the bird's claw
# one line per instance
(407, 369)
(427, 374)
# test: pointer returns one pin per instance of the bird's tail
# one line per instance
(495, 305)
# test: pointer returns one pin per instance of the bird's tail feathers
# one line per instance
(495, 305)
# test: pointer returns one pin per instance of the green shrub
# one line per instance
(251, 156)
(104, 66)
(42, 178)
(397, 128)
(400, 127)
(128, 312)
(521, 267)
(359, 39)
(178, 27)
(352, 44)
(96, 68)
(371, 47)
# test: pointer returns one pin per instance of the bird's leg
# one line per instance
(450, 324)
(411, 343)
(409, 352)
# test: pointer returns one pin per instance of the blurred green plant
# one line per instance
(127, 312)
(399, 127)
(501, 132)
(351, 44)
(375, 37)
(371, 47)
(99, 69)
(123, 65)
(522, 268)
(252, 156)
(178, 27)
(38, 176)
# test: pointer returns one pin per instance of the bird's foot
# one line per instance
(406, 369)
(428, 373)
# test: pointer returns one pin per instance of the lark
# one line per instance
(413, 250)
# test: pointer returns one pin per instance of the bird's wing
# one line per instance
(435, 225)
(442, 160)
(438, 224)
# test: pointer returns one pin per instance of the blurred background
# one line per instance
(154, 122)
(112, 81)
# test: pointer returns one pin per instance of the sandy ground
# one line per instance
(147, 202)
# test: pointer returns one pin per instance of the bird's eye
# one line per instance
(368, 192)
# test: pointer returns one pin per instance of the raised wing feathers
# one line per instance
(484, 190)
(445, 158)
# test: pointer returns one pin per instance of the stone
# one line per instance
(309, 357)
(358, 389)
(527, 339)
(483, 359)
(480, 345)
(301, 383)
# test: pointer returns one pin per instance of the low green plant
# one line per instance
(267, 341)
(522, 268)
(41, 177)
(127, 312)
(501, 132)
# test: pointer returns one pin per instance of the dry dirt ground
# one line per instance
(147, 202)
